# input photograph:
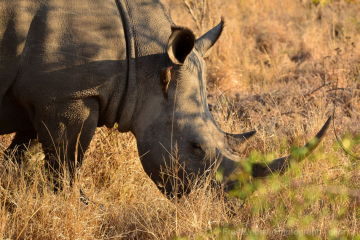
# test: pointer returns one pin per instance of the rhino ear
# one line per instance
(181, 43)
(204, 43)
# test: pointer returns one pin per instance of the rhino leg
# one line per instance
(65, 137)
(19, 144)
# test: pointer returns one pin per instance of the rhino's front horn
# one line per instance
(230, 162)
(280, 165)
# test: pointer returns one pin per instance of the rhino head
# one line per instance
(177, 118)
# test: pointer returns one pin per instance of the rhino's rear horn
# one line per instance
(181, 43)
(235, 140)
(242, 136)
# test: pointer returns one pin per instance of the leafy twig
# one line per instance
(336, 135)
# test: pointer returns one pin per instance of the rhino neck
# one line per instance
(129, 99)
(147, 26)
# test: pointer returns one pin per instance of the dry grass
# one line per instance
(266, 73)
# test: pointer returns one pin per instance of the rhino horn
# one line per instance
(180, 44)
(230, 162)
(239, 138)
(235, 140)
(280, 165)
(205, 42)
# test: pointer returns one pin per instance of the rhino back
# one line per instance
(77, 32)
(65, 50)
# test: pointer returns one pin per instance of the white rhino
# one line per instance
(68, 67)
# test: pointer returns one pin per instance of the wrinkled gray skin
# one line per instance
(68, 67)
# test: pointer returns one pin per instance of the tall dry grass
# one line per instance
(274, 69)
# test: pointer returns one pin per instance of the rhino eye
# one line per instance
(197, 148)
(196, 145)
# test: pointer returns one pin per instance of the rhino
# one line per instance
(68, 67)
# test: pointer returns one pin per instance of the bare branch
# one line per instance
(293, 112)
(187, 5)
(325, 84)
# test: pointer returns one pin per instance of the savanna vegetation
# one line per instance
(281, 67)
